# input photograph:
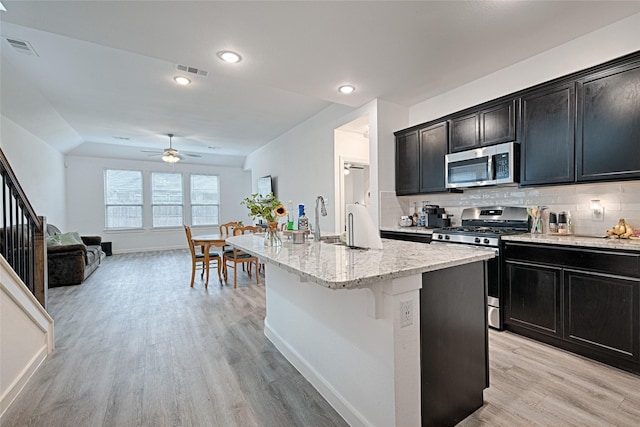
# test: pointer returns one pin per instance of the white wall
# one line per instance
(85, 201)
(301, 161)
(608, 43)
(39, 169)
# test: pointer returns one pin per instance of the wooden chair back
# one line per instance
(228, 227)
(247, 229)
(187, 231)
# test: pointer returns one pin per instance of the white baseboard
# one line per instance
(18, 384)
(331, 395)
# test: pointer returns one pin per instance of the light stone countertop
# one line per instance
(416, 230)
(339, 267)
(580, 241)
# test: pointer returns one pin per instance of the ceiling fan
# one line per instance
(171, 155)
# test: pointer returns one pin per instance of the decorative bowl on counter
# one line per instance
(405, 221)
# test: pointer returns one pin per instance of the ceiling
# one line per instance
(102, 81)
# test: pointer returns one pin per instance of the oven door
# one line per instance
(471, 168)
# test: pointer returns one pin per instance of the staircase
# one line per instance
(26, 335)
(22, 235)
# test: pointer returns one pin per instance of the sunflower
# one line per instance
(281, 211)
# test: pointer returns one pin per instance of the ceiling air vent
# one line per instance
(22, 46)
(192, 70)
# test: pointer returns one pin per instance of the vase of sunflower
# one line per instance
(269, 209)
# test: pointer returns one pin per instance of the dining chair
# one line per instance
(227, 230)
(236, 256)
(197, 258)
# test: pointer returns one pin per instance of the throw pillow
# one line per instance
(71, 238)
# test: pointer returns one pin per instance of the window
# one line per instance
(205, 200)
(123, 199)
(166, 199)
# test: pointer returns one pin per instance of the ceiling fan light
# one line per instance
(228, 56)
(182, 81)
(170, 158)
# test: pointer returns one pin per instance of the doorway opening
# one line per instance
(353, 180)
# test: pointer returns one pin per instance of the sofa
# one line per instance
(71, 258)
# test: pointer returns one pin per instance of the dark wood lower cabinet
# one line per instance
(583, 300)
(602, 312)
(534, 297)
(454, 343)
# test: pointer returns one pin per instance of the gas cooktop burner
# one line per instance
(484, 226)
(478, 231)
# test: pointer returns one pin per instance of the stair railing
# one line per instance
(22, 234)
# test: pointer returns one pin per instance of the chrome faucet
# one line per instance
(320, 209)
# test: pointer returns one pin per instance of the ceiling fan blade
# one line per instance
(191, 154)
(150, 151)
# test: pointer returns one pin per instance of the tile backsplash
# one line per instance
(619, 199)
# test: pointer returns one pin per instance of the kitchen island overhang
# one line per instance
(335, 314)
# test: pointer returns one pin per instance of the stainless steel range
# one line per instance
(483, 227)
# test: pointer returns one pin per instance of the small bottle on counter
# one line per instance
(303, 222)
(290, 215)
(553, 222)
(422, 221)
(415, 218)
(562, 223)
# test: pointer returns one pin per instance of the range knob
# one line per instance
(486, 241)
(447, 237)
(477, 240)
(439, 236)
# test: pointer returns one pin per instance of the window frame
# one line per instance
(109, 205)
(152, 205)
(192, 204)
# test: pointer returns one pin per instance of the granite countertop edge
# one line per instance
(600, 242)
(412, 229)
(413, 264)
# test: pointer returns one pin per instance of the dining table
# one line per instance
(206, 241)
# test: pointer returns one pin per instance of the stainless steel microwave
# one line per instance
(492, 165)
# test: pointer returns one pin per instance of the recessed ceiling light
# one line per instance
(346, 89)
(228, 56)
(183, 81)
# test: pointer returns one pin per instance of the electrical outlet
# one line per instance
(406, 313)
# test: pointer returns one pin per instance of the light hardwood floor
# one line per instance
(135, 346)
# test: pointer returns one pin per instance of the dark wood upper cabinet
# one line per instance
(464, 133)
(608, 131)
(498, 124)
(433, 148)
(548, 118)
(407, 163)
(492, 124)
(583, 127)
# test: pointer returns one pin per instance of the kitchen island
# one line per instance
(349, 320)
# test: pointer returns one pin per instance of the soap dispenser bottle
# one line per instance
(303, 221)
